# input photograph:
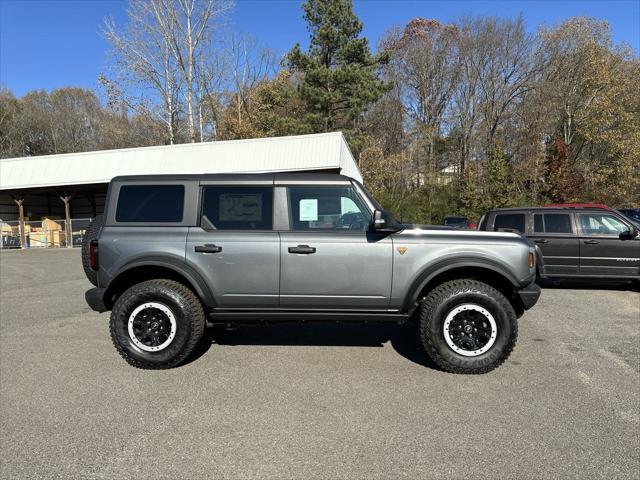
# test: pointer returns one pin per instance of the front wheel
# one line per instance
(157, 324)
(467, 326)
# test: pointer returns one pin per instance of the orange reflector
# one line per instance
(531, 260)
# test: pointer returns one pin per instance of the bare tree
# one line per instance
(145, 67)
(168, 49)
(190, 25)
(249, 66)
(425, 67)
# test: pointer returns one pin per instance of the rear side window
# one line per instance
(150, 203)
(552, 223)
(239, 208)
(509, 221)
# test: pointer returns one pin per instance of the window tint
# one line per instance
(601, 224)
(239, 208)
(538, 223)
(552, 223)
(511, 221)
(150, 203)
(327, 208)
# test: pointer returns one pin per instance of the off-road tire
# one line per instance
(90, 234)
(445, 298)
(185, 307)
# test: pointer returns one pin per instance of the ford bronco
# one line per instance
(174, 253)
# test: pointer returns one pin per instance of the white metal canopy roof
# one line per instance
(277, 154)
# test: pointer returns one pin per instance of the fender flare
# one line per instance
(430, 272)
(176, 264)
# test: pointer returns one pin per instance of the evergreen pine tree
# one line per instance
(338, 73)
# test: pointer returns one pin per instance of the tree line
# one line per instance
(442, 118)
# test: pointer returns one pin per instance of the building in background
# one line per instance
(69, 187)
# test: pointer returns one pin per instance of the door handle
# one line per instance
(305, 249)
(541, 240)
(207, 248)
(591, 242)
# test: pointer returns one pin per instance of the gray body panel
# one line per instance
(348, 271)
(246, 272)
(430, 252)
(122, 247)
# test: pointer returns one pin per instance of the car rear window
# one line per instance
(239, 208)
(150, 203)
(552, 223)
(509, 221)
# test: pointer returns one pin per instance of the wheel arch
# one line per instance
(484, 270)
(148, 269)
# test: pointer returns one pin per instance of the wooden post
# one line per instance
(23, 236)
(66, 199)
(92, 201)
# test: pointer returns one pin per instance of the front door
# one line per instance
(603, 251)
(554, 235)
(235, 249)
(329, 259)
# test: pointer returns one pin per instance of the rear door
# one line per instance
(235, 248)
(602, 250)
(554, 235)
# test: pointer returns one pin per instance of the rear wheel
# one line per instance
(467, 326)
(90, 234)
(157, 324)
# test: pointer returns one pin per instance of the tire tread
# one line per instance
(194, 308)
(438, 295)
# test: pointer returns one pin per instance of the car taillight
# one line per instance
(93, 255)
(531, 260)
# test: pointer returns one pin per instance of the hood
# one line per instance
(417, 233)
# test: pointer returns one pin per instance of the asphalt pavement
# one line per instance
(312, 400)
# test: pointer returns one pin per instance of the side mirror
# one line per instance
(383, 221)
(628, 234)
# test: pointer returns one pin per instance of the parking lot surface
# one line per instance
(312, 401)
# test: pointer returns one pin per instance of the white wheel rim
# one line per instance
(173, 327)
(449, 333)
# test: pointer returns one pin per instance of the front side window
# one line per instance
(327, 208)
(509, 221)
(238, 208)
(552, 223)
(150, 203)
(601, 224)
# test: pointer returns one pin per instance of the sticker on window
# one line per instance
(309, 210)
(240, 207)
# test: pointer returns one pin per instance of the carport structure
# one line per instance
(74, 185)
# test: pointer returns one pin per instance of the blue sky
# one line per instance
(56, 43)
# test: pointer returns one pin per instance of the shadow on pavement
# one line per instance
(403, 338)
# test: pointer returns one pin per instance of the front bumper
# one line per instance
(529, 295)
(95, 299)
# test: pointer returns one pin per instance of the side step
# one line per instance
(253, 316)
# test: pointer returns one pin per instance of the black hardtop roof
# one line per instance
(276, 177)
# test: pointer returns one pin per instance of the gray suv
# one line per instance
(175, 253)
